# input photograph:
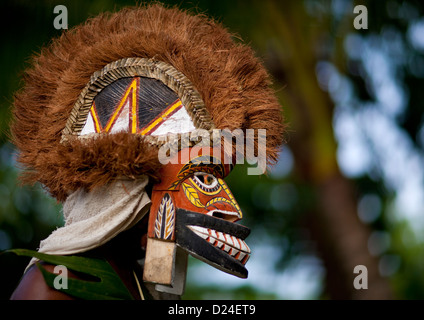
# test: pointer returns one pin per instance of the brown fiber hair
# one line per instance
(230, 79)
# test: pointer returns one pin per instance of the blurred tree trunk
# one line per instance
(340, 236)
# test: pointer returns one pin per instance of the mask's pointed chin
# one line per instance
(213, 240)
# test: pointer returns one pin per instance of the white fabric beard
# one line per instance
(93, 218)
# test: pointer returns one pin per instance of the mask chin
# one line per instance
(213, 240)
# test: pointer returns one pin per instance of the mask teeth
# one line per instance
(235, 247)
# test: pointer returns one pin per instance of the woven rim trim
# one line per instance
(132, 67)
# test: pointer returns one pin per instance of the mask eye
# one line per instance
(205, 180)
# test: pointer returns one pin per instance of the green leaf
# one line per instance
(109, 286)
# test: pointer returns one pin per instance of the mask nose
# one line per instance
(226, 215)
(224, 208)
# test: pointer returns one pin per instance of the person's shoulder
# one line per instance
(33, 287)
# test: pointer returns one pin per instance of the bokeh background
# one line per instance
(349, 187)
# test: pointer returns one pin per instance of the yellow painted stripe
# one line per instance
(134, 111)
(162, 117)
(94, 116)
(230, 195)
(133, 87)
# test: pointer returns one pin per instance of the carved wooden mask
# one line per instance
(193, 206)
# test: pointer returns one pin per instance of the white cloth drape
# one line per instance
(93, 218)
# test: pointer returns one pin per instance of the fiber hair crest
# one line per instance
(229, 89)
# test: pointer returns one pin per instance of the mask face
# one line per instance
(193, 206)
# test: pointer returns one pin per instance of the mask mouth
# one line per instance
(233, 246)
(215, 241)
